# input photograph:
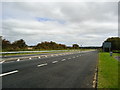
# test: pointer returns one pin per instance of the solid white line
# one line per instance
(63, 59)
(54, 61)
(42, 65)
(8, 73)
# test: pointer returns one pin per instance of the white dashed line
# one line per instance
(63, 59)
(39, 57)
(18, 59)
(42, 65)
(29, 58)
(8, 73)
(54, 61)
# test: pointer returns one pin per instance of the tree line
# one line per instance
(115, 43)
(21, 45)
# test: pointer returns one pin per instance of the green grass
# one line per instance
(108, 71)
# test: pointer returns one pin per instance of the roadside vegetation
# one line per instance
(20, 45)
(108, 71)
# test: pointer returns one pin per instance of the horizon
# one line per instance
(83, 23)
(80, 45)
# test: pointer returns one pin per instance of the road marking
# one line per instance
(29, 58)
(45, 56)
(2, 61)
(39, 57)
(18, 59)
(54, 61)
(63, 59)
(42, 65)
(8, 73)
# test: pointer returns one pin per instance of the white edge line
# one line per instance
(8, 73)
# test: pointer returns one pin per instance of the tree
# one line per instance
(75, 46)
(6, 45)
(19, 44)
(50, 45)
(115, 43)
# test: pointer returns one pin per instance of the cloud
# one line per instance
(68, 23)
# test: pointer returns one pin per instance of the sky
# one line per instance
(84, 23)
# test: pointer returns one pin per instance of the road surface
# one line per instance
(75, 70)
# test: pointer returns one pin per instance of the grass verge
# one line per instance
(108, 71)
(9, 54)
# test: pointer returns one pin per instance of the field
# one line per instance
(108, 71)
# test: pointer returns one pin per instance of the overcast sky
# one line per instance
(84, 23)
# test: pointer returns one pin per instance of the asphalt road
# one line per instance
(63, 71)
